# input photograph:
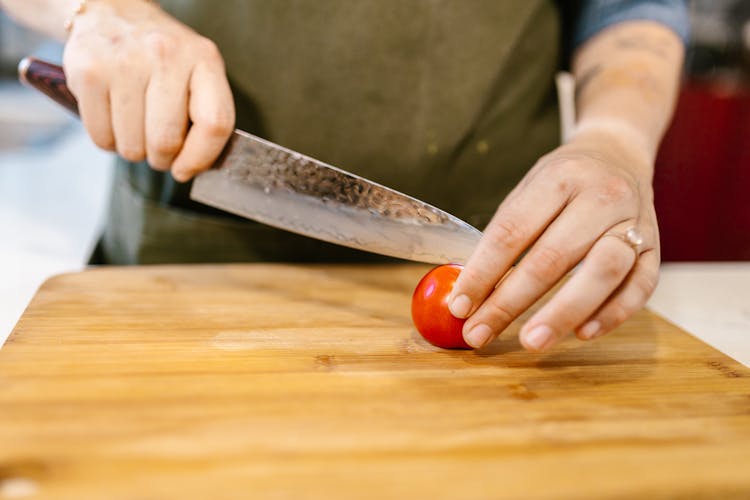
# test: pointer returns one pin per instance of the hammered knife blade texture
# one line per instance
(268, 183)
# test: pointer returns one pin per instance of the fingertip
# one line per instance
(460, 306)
(538, 339)
(181, 175)
(182, 170)
(103, 142)
(590, 330)
(478, 336)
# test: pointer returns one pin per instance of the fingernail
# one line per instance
(539, 338)
(590, 329)
(479, 336)
(460, 306)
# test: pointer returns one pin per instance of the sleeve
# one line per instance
(595, 15)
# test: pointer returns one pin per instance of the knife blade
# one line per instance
(274, 185)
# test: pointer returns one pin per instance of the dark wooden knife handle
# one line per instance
(49, 79)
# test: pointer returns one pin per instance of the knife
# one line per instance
(271, 184)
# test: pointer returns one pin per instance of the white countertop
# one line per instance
(53, 198)
(54, 189)
(709, 300)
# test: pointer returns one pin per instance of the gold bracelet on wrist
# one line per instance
(79, 10)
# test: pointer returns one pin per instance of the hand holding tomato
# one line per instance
(568, 210)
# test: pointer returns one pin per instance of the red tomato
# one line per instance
(429, 308)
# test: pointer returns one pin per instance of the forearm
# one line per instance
(45, 16)
(627, 78)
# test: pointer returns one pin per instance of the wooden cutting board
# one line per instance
(258, 381)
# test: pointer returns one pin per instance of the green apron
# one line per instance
(450, 101)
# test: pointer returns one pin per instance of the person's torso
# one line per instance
(426, 96)
(450, 101)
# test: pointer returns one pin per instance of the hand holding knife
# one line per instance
(263, 181)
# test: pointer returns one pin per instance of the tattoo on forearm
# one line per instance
(633, 75)
(629, 69)
(657, 47)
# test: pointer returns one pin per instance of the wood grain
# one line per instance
(258, 381)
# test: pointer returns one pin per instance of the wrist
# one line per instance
(78, 8)
(620, 133)
(618, 139)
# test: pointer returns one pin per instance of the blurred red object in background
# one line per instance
(702, 181)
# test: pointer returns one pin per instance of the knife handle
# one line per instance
(49, 79)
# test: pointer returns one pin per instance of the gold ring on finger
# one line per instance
(632, 236)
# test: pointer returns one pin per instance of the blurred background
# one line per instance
(54, 183)
(702, 184)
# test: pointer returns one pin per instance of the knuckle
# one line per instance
(615, 190)
(468, 278)
(219, 124)
(83, 72)
(161, 45)
(89, 74)
(131, 153)
(563, 174)
(209, 49)
(615, 266)
(646, 286)
(563, 185)
(566, 170)
(498, 313)
(475, 284)
(505, 233)
(617, 312)
(546, 263)
(166, 144)
(158, 163)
